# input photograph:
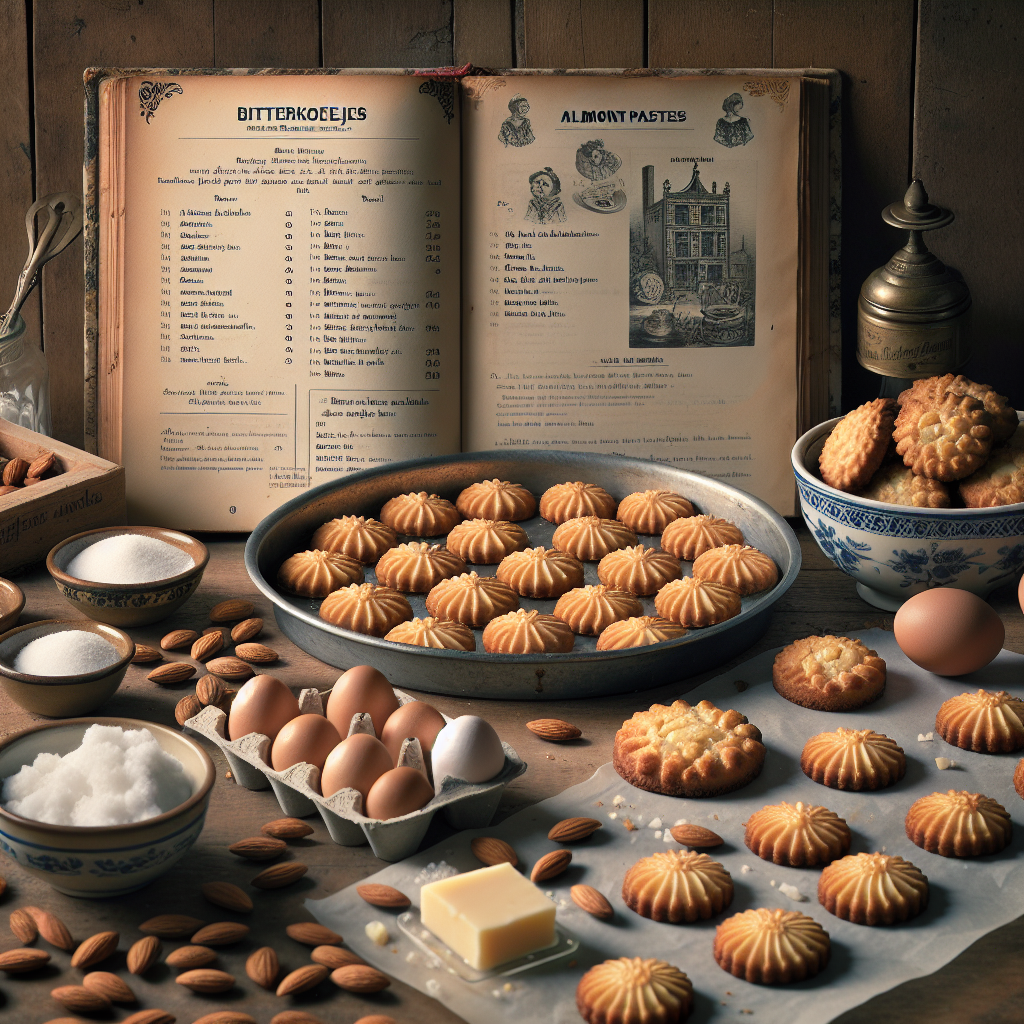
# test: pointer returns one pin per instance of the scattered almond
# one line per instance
(277, 876)
(232, 611)
(78, 999)
(373, 1018)
(171, 926)
(190, 957)
(177, 639)
(227, 895)
(42, 464)
(150, 1017)
(24, 926)
(233, 669)
(210, 689)
(110, 986)
(207, 646)
(287, 828)
(490, 851)
(52, 929)
(360, 978)
(172, 673)
(222, 1017)
(145, 654)
(94, 949)
(247, 629)
(258, 848)
(333, 957)
(15, 472)
(551, 865)
(257, 654)
(143, 954)
(299, 1017)
(186, 708)
(573, 830)
(206, 980)
(554, 730)
(263, 967)
(383, 896)
(20, 961)
(587, 898)
(302, 979)
(696, 836)
(221, 933)
(309, 933)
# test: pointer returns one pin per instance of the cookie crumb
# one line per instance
(613, 815)
(942, 763)
(630, 827)
(925, 737)
(618, 801)
(792, 892)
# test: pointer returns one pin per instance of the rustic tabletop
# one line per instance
(985, 983)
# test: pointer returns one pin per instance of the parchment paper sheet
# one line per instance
(968, 897)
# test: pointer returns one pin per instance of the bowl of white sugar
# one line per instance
(63, 667)
(128, 575)
(101, 806)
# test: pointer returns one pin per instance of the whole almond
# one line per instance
(587, 898)
(247, 629)
(258, 848)
(227, 895)
(9, 489)
(143, 954)
(221, 933)
(94, 949)
(210, 689)
(233, 669)
(172, 673)
(110, 986)
(20, 961)
(15, 472)
(492, 851)
(150, 1017)
(171, 926)
(190, 957)
(334, 957)
(551, 865)
(696, 836)
(232, 611)
(263, 967)
(206, 980)
(24, 926)
(78, 999)
(299, 1017)
(42, 464)
(302, 979)
(360, 978)
(177, 639)
(277, 876)
(372, 1018)
(287, 828)
(572, 830)
(188, 707)
(383, 896)
(207, 646)
(257, 654)
(222, 1017)
(554, 730)
(309, 933)
(145, 654)
(52, 929)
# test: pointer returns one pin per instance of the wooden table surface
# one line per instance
(984, 984)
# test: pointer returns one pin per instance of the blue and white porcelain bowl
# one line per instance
(894, 551)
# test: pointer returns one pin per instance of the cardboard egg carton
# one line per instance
(464, 804)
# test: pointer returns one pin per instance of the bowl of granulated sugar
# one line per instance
(128, 575)
(61, 668)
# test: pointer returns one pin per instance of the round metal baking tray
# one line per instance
(584, 672)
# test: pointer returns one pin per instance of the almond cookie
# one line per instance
(590, 610)
(695, 602)
(417, 566)
(1018, 778)
(639, 631)
(895, 484)
(574, 499)
(496, 499)
(541, 572)
(688, 750)
(527, 632)
(738, 566)
(1000, 481)
(638, 570)
(958, 824)
(634, 991)
(771, 947)
(677, 886)
(691, 537)
(873, 889)
(853, 759)
(652, 511)
(829, 673)
(857, 445)
(799, 835)
(990, 723)
(471, 599)
(366, 608)
(317, 573)
(486, 541)
(419, 514)
(1004, 416)
(590, 538)
(946, 440)
(363, 539)
(431, 632)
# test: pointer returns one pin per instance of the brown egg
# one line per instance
(264, 704)
(948, 632)
(355, 763)
(413, 719)
(361, 689)
(398, 792)
(308, 738)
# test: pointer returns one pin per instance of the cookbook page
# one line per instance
(630, 255)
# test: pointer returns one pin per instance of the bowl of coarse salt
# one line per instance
(63, 667)
(101, 806)
(128, 575)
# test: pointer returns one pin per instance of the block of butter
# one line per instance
(488, 916)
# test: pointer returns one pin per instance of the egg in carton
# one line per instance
(464, 804)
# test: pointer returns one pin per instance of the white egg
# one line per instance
(467, 748)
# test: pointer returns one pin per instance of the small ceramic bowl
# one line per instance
(127, 604)
(104, 860)
(12, 604)
(895, 551)
(62, 696)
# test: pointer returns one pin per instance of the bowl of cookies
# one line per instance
(922, 491)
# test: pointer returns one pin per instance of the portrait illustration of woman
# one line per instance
(515, 129)
(593, 161)
(545, 207)
(733, 130)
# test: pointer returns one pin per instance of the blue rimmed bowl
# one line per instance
(894, 551)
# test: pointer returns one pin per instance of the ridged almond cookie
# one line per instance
(771, 947)
(471, 599)
(590, 610)
(653, 511)
(416, 567)
(677, 886)
(419, 514)
(360, 538)
(496, 499)
(853, 759)
(486, 541)
(638, 631)
(1004, 416)
(799, 835)
(873, 889)
(691, 537)
(638, 570)
(958, 824)
(990, 723)
(897, 484)
(576, 498)
(692, 601)
(527, 632)
(829, 673)
(857, 445)
(1000, 481)
(631, 990)
(738, 566)
(317, 573)
(946, 440)
(366, 608)
(590, 538)
(430, 632)
(541, 572)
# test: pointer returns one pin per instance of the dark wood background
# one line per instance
(928, 90)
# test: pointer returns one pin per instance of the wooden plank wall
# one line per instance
(928, 89)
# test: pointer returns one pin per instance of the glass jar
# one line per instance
(24, 380)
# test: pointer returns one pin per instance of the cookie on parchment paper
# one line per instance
(958, 824)
(873, 889)
(897, 484)
(987, 722)
(829, 673)
(853, 759)
(857, 445)
(798, 835)
(771, 947)
(634, 991)
(677, 886)
(947, 439)
(1000, 481)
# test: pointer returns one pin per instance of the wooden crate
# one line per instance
(86, 494)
